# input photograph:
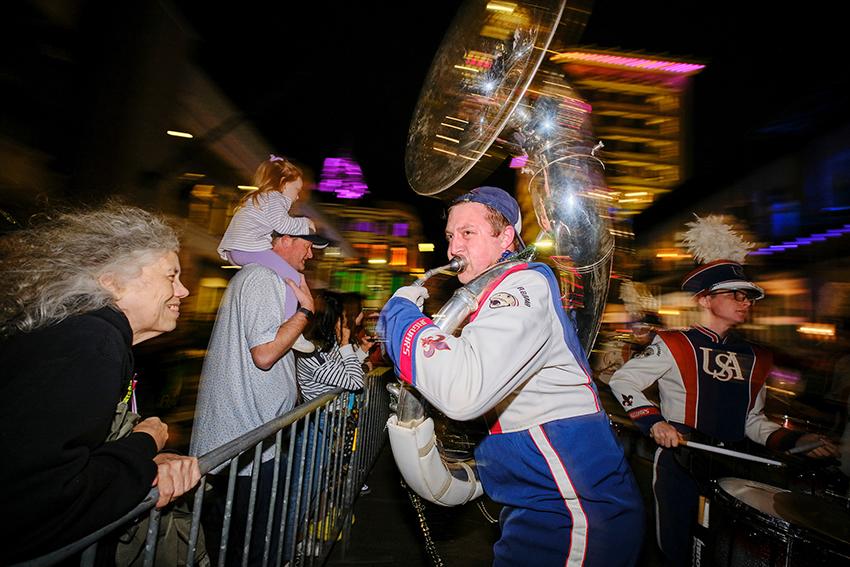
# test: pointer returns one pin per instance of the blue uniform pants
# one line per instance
(568, 493)
(676, 501)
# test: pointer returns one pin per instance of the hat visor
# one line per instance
(736, 285)
(316, 240)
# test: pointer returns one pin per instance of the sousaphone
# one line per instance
(492, 93)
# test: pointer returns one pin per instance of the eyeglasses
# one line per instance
(738, 295)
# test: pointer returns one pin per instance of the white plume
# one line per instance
(711, 238)
(637, 299)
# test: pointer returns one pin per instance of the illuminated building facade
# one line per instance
(640, 108)
(386, 255)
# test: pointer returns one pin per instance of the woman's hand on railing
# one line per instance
(176, 475)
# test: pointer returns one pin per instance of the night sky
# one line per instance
(318, 78)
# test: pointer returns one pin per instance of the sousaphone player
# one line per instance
(551, 458)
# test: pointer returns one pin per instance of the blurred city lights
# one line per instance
(461, 120)
(803, 241)
(203, 191)
(633, 62)
(441, 150)
(518, 162)
(497, 6)
(597, 195)
(343, 176)
(817, 329)
(178, 134)
(426, 247)
(671, 254)
(247, 187)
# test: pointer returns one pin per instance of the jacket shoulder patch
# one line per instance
(502, 299)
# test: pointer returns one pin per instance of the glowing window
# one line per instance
(398, 256)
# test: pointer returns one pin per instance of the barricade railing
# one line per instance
(321, 453)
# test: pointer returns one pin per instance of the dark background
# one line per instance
(320, 77)
(324, 77)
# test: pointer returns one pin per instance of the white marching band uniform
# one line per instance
(509, 364)
(493, 358)
(519, 364)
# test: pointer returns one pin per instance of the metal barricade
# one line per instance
(323, 452)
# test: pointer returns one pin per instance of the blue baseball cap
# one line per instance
(500, 201)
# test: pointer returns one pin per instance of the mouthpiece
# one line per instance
(457, 265)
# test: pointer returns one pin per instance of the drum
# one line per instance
(754, 524)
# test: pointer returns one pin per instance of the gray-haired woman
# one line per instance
(79, 290)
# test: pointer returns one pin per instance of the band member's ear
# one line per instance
(703, 300)
(506, 238)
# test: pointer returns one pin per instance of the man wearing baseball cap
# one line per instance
(551, 458)
(248, 378)
(711, 383)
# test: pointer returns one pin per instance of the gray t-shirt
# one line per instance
(234, 396)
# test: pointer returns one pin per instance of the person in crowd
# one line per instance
(551, 458)
(336, 362)
(248, 238)
(711, 383)
(361, 324)
(81, 288)
(248, 378)
(643, 331)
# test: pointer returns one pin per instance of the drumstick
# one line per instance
(730, 453)
(807, 447)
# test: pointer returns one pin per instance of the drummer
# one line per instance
(712, 387)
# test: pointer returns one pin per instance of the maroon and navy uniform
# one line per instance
(551, 458)
(712, 389)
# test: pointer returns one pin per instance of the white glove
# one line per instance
(415, 293)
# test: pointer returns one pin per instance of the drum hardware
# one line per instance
(730, 453)
(758, 524)
(843, 498)
(807, 447)
(814, 477)
(703, 511)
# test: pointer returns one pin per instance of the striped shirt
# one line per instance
(321, 372)
(251, 227)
